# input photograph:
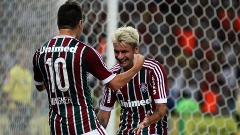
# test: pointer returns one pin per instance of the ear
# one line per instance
(57, 25)
(136, 49)
(80, 23)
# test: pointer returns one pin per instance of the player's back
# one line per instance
(63, 63)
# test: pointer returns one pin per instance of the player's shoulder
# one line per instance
(151, 62)
(75, 42)
(86, 46)
(45, 44)
(115, 68)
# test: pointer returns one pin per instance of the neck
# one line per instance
(127, 67)
(67, 32)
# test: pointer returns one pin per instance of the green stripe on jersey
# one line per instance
(52, 122)
(133, 98)
(124, 120)
(73, 92)
(62, 108)
(87, 94)
(145, 95)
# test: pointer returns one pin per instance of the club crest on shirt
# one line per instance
(143, 87)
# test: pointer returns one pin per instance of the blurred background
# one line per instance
(198, 42)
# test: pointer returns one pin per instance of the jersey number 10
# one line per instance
(54, 67)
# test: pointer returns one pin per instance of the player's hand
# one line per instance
(138, 61)
(143, 124)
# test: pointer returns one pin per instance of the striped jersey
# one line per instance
(62, 64)
(147, 87)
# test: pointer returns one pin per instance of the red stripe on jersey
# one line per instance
(79, 87)
(37, 73)
(58, 128)
(69, 108)
(85, 120)
(99, 128)
(70, 121)
(47, 56)
(66, 42)
(77, 71)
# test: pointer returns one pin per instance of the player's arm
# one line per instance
(40, 87)
(158, 114)
(106, 105)
(38, 78)
(122, 79)
(97, 68)
(103, 117)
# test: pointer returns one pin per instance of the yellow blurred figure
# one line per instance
(18, 91)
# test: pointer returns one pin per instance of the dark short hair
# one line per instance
(69, 15)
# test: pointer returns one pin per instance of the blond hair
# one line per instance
(126, 35)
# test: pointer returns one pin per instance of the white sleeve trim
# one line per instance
(39, 83)
(160, 100)
(108, 79)
(105, 108)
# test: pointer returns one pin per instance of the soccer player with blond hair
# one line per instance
(143, 99)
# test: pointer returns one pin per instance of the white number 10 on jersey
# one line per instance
(55, 66)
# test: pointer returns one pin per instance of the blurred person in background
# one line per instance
(61, 67)
(143, 100)
(17, 89)
(186, 106)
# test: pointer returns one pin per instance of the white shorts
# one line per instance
(99, 131)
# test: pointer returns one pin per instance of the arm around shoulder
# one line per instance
(122, 79)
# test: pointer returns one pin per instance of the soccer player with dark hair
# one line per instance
(143, 100)
(61, 67)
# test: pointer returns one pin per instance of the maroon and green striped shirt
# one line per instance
(147, 87)
(62, 64)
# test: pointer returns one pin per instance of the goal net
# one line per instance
(197, 41)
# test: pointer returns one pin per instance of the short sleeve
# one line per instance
(95, 65)
(159, 84)
(37, 75)
(108, 100)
